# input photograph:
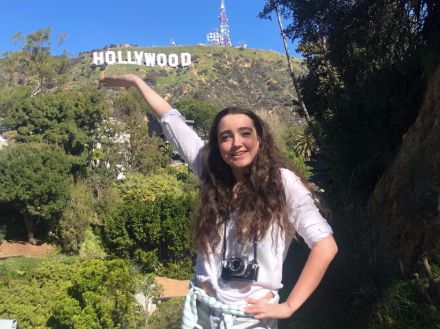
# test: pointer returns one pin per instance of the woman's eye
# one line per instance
(224, 138)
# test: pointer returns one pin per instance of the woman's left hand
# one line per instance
(262, 310)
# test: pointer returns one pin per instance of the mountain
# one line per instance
(251, 78)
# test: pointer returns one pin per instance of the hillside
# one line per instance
(251, 78)
(406, 198)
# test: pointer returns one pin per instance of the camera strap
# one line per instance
(224, 243)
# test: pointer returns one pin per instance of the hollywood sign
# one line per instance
(140, 58)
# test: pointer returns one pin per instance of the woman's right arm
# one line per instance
(177, 132)
(159, 105)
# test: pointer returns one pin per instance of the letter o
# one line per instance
(173, 60)
(161, 59)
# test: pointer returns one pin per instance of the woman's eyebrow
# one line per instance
(229, 131)
(245, 128)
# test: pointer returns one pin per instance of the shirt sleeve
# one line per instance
(303, 214)
(184, 139)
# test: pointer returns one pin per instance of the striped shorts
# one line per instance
(210, 319)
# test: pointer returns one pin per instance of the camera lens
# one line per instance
(236, 265)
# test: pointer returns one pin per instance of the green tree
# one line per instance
(71, 120)
(33, 65)
(35, 181)
(202, 113)
(368, 63)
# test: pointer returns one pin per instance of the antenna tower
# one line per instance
(220, 37)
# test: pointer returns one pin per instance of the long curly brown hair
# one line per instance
(260, 200)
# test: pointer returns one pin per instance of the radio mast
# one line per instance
(220, 37)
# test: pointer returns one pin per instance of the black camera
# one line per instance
(239, 268)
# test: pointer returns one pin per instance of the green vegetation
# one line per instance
(151, 226)
(35, 183)
(34, 66)
(61, 292)
(70, 120)
(76, 218)
(369, 64)
(58, 180)
(168, 315)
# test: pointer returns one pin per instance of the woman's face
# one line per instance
(238, 142)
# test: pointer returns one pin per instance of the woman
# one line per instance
(249, 210)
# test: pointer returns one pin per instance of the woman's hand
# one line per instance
(158, 105)
(263, 310)
(123, 80)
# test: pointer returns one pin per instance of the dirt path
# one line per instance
(173, 288)
(21, 248)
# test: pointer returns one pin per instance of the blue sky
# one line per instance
(95, 24)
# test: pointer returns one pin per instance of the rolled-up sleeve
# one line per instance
(303, 214)
(183, 138)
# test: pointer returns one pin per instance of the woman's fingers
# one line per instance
(264, 311)
(124, 80)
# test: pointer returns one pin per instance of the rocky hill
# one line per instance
(406, 200)
(251, 78)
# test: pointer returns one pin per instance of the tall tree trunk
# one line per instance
(292, 73)
(29, 225)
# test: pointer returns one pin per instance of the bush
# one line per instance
(92, 246)
(101, 295)
(168, 315)
(76, 218)
(64, 293)
(154, 233)
(148, 187)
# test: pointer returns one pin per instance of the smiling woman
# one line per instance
(251, 206)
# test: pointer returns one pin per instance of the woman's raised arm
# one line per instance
(159, 105)
(176, 131)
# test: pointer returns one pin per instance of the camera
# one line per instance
(239, 268)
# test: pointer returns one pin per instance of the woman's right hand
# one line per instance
(157, 104)
(123, 80)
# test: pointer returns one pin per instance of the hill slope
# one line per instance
(251, 78)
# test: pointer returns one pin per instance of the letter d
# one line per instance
(185, 59)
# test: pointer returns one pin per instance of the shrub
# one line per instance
(64, 293)
(148, 187)
(154, 233)
(76, 218)
(168, 315)
(101, 295)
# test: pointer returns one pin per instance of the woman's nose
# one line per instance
(237, 141)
